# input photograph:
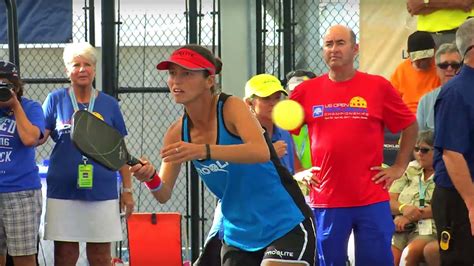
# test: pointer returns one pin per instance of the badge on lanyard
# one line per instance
(425, 227)
(85, 171)
(85, 175)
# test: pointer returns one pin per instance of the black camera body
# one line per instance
(5, 93)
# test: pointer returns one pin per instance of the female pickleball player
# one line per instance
(266, 220)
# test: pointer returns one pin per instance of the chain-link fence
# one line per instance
(146, 104)
(308, 21)
(43, 69)
(145, 39)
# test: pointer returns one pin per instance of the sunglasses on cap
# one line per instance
(422, 150)
(445, 65)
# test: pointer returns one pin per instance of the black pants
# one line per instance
(450, 214)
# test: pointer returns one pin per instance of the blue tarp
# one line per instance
(40, 21)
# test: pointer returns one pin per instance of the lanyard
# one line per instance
(422, 190)
(74, 101)
(72, 96)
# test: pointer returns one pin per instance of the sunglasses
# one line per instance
(422, 150)
(445, 65)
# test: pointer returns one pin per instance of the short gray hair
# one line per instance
(445, 48)
(82, 49)
(426, 136)
(465, 36)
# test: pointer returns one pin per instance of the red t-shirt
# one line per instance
(346, 127)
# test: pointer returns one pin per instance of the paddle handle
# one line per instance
(133, 161)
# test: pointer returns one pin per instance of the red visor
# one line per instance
(188, 59)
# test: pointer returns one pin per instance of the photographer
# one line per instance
(21, 126)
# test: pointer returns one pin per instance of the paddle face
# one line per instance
(99, 141)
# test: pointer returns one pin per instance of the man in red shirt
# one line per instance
(346, 112)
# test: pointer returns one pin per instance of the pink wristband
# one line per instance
(155, 183)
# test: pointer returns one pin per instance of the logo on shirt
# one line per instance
(8, 126)
(355, 109)
(7, 143)
(358, 102)
(217, 167)
(318, 110)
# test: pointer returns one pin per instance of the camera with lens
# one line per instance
(5, 93)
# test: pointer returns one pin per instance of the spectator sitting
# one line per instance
(416, 76)
(410, 198)
(448, 62)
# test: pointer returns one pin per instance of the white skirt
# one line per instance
(82, 221)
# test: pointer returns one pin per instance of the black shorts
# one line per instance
(298, 245)
(211, 253)
(451, 215)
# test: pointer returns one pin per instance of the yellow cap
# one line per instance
(263, 85)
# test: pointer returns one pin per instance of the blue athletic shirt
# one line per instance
(18, 169)
(287, 160)
(261, 202)
(454, 124)
(65, 157)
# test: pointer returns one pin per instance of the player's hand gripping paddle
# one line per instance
(99, 141)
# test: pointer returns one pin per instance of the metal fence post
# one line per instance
(259, 45)
(287, 37)
(13, 33)
(108, 48)
(194, 188)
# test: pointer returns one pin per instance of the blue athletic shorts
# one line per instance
(373, 230)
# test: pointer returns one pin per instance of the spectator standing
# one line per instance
(453, 198)
(416, 76)
(448, 62)
(82, 196)
(346, 112)
(441, 18)
(21, 127)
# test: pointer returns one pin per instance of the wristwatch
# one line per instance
(127, 189)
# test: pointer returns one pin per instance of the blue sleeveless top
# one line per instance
(260, 202)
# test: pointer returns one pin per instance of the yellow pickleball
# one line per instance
(288, 114)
